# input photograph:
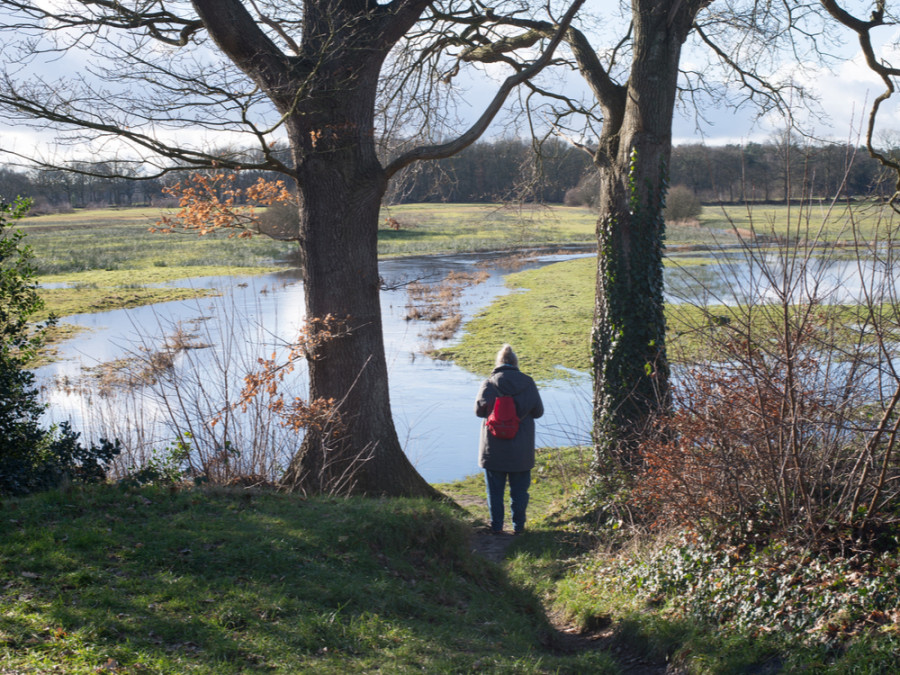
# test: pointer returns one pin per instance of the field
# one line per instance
(99, 260)
(101, 250)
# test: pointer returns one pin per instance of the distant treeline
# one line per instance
(514, 169)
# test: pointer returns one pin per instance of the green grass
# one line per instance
(152, 580)
(217, 581)
(443, 228)
(114, 239)
(549, 325)
(548, 321)
(108, 258)
(558, 474)
(820, 221)
(80, 300)
(549, 316)
(565, 561)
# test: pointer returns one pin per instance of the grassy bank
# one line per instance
(104, 259)
(549, 316)
(217, 581)
(548, 320)
(669, 600)
(158, 580)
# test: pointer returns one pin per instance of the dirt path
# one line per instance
(566, 638)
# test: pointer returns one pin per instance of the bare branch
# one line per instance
(478, 128)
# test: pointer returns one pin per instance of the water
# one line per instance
(432, 401)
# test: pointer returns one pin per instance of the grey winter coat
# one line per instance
(514, 454)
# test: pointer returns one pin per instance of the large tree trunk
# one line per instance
(631, 373)
(341, 185)
(326, 95)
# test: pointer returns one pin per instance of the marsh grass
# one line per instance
(439, 302)
(114, 239)
(69, 301)
(113, 248)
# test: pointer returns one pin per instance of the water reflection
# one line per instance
(755, 275)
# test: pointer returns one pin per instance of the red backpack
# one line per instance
(503, 421)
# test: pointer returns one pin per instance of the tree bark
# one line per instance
(326, 95)
(341, 185)
(631, 372)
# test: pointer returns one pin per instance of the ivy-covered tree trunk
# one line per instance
(631, 372)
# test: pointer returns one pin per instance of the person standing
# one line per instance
(508, 458)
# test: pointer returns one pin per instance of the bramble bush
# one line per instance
(32, 457)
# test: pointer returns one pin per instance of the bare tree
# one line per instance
(878, 59)
(155, 73)
(625, 123)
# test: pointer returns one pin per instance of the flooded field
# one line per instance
(158, 374)
(107, 384)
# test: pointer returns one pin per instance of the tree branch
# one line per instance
(474, 132)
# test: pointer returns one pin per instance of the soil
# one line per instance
(566, 638)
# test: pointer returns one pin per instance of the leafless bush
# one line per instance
(586, 193)
(280, 221)
(168, 391)
(788, 424)
(41, 206)
(681, 204)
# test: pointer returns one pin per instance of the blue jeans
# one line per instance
(519, 481)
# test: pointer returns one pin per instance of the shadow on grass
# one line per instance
(386, 235)
(221, 581)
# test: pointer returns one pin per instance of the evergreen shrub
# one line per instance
(32, 457)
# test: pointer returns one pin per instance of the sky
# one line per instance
(845, 95)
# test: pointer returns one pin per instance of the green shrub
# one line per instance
(31, 457)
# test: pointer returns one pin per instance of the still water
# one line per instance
(432, 400)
